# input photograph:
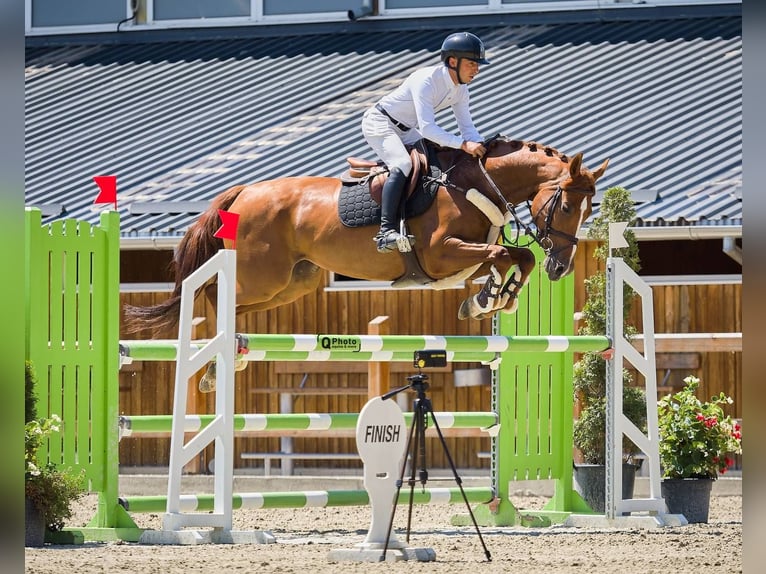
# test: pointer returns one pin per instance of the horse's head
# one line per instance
(558, 211)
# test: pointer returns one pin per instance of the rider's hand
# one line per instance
(473, 148)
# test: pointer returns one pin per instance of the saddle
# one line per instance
(362, 190)
(375, 173)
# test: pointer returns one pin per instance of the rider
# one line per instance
(407, 114)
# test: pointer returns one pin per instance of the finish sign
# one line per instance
(381, 439)
(381, 432)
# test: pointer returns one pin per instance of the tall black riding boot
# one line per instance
(389, 210)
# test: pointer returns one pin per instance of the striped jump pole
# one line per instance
(146, 351)
(378, 348)
(305, 499)
(410, 343)
(154, 424)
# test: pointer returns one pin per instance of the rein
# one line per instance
(542, 236)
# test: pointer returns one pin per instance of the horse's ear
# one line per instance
(600, 171)
(575, 165)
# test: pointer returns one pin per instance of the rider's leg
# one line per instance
(389, 210)
(386, 141)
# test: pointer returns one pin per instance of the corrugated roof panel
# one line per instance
(182, 121)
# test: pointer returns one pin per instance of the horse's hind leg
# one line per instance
(207, 382)
(305, 279)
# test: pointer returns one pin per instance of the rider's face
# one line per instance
(467, 70)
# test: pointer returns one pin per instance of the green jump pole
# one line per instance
(306, 499)
(166, 351)
(410, 343)
(136, 425)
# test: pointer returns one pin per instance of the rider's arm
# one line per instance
(462, 111)
(425, 95)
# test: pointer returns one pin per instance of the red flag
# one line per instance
(107, 185)
(228, 229)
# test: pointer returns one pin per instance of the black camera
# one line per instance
(428, 359)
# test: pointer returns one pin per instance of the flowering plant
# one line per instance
(696, 436)
(34, 433)
(50, 489)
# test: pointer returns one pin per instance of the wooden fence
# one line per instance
(146, 388)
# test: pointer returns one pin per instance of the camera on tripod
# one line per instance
(426, 359)
(416, 442)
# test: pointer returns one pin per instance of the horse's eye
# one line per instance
(565, 208)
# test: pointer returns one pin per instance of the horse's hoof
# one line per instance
(510, 309)
(465, 310)
(468, 310)
(206, 384)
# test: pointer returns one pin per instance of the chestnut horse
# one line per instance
(290, 229)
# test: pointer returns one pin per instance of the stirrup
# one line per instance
(387, 240)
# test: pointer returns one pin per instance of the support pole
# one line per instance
(220, 348)
(378, 373)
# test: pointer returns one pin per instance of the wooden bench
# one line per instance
(342, 367)
(681, 351)
(285, 456)
(310, 391)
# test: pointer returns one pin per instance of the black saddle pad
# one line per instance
(356, 207)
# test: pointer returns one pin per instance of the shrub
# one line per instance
(590, 370)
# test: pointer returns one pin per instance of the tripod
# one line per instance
(416, 444)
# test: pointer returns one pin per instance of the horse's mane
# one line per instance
(534, 147)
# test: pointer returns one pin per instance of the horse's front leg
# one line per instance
(518, 278)
(500, 292)
(496, 261)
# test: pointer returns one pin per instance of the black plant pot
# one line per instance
(688, 496)
(34, 525)
(590, 479)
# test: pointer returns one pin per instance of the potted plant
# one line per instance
(49, 491)
(590, 371)
(696, 439)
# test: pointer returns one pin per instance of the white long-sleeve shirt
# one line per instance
(425, 92)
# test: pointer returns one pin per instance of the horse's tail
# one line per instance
(196, 246)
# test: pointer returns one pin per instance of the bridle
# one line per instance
(542, 236)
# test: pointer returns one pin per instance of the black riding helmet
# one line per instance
(462, 45)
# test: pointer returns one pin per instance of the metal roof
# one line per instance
(180, 121)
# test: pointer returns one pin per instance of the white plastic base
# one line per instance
(646, 521)
(215, 536)
(374, 553)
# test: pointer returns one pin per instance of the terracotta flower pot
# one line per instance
(688, 496)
